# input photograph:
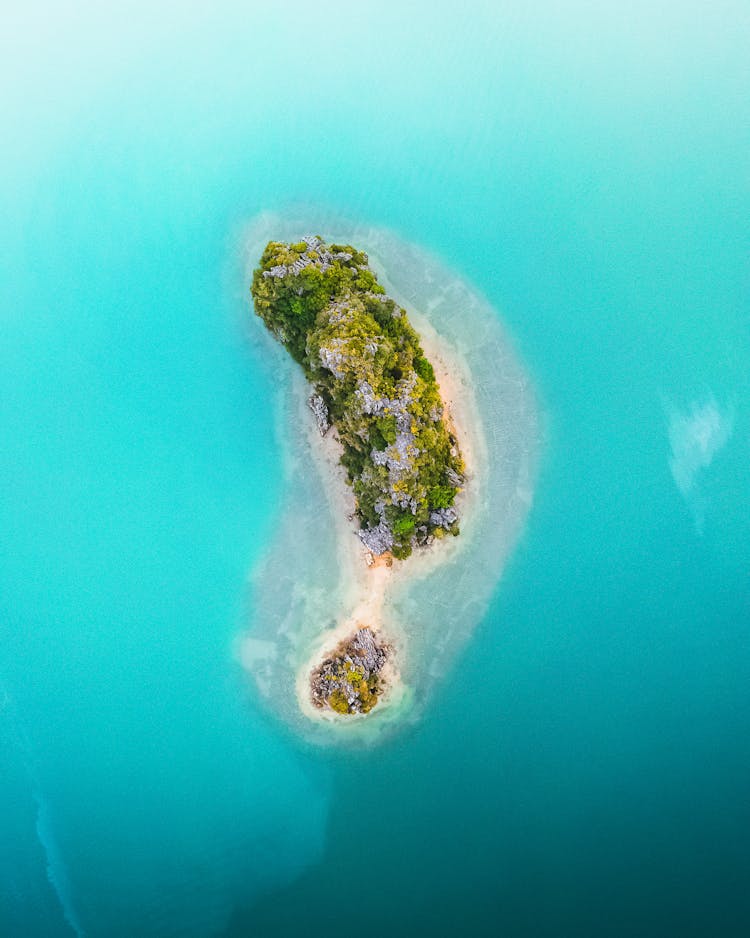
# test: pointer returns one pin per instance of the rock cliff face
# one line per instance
(371, 382)
(349, 680)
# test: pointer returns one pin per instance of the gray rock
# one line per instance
(280, 271)
(299, 265)
(377, 540)
(318, 406)
(444, 517)
(364, 653)
(334, 357)
(453, 477)
(324, 259)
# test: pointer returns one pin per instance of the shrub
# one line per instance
(403, 525)
(442, 496)
(424, 369)
(337, 701)
(387, 428)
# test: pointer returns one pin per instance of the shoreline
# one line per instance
(368, 586)
(313, 575)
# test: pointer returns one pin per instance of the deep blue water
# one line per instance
(585, 769)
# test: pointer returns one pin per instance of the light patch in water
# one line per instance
(695, 437)
(301, 586)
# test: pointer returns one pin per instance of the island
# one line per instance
(372, 383)
(350, 679)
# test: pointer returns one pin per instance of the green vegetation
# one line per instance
(338, 702)
(364, 359)
(365, 689)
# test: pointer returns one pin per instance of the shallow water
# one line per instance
(582, 768)
(310, 581)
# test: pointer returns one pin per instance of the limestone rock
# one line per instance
(318, 406)
(377, 540)
(444, 517)
(349, 679)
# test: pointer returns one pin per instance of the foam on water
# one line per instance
(304, 583)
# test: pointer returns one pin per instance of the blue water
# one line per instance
(585, 768)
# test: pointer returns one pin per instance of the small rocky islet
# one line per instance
(373, 384)
(349, 680)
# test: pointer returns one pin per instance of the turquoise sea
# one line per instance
(583, 768)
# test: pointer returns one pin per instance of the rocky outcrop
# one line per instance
(444, 518)
(314, 252)
(378, 539)
(350, 679)
(318, 406)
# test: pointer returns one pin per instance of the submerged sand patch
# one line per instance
(314, 587)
